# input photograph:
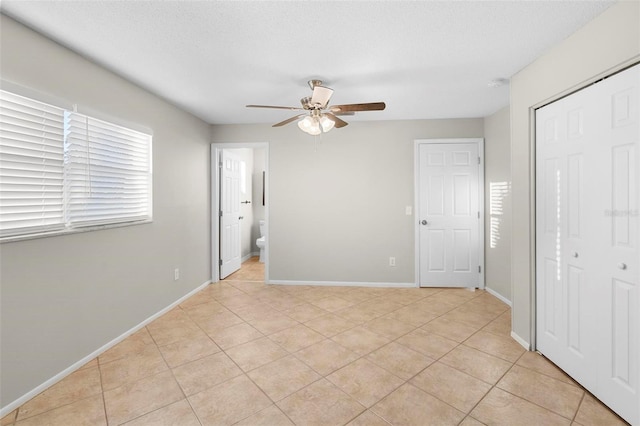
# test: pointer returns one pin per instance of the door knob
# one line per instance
(241, 217)
(622, 266)
(574, 254)
(424, 222)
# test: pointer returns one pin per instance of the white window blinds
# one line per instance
(61, 170)
(108, 172)
(31, 166)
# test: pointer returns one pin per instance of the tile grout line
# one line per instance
(186, 398)
(524, 399)
(573, 420)
(151, 375)
(494, 386)
(104, 401)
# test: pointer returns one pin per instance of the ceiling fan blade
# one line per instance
(288, 120)
(274, 107)
(372, 106)
(338, 122)
(321, 96)
(343, 113)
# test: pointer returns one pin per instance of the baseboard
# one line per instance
(64, 373)
(498, 295)
(249, 256)
(520, 340)
(343, 283)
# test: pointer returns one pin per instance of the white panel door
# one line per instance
(565, 320)
(618, 278)
(448, 212)
(230, 243)
(587, 255)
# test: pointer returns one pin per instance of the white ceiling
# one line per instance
(425, 59)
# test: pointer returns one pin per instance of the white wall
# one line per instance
(497, 203)
(337, 211)
(606, 44)
(64, 297)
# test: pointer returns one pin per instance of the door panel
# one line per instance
(575, 189)
(621, 350)
(575, 300)
(461, 252)
(435, 203)
(461, 195)
(448, 188)
(622, 170)
(551, 187)
(436, 250)
(551, 296)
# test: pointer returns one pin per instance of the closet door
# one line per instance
(565, 292)
(616, 241)
(587, 157)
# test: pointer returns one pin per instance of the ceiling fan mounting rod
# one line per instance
(314, 83)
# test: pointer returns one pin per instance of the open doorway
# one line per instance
(239, 205)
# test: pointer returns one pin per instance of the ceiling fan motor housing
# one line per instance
(306, 102)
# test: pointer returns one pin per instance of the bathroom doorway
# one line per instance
(235, 242)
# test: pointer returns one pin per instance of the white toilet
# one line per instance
(261, 242)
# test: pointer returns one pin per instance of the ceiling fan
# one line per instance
(319, 117)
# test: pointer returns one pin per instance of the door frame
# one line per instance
(416, 201)
(216, 153)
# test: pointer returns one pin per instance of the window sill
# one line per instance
(57, 233)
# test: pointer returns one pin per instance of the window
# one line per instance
(61, 171)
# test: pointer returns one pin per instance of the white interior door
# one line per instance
(618, 231)
(564, 291)
(587, 256)
(449, 193)
(230, 243)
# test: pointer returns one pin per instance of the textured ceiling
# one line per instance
(425, 59)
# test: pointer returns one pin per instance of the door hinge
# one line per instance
(220, 164)
(479, 269)
(220, 213)
(478, 160)
(478, 215)
(220, 262)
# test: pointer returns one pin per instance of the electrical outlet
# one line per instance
(392, 261)
(176, 274)
(408, 210)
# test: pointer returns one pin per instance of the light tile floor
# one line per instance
(241, 352)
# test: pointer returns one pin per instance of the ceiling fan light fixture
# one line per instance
(314, 129)
(326, 123)
(310, 125)
(315, 132)
(305, 124)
